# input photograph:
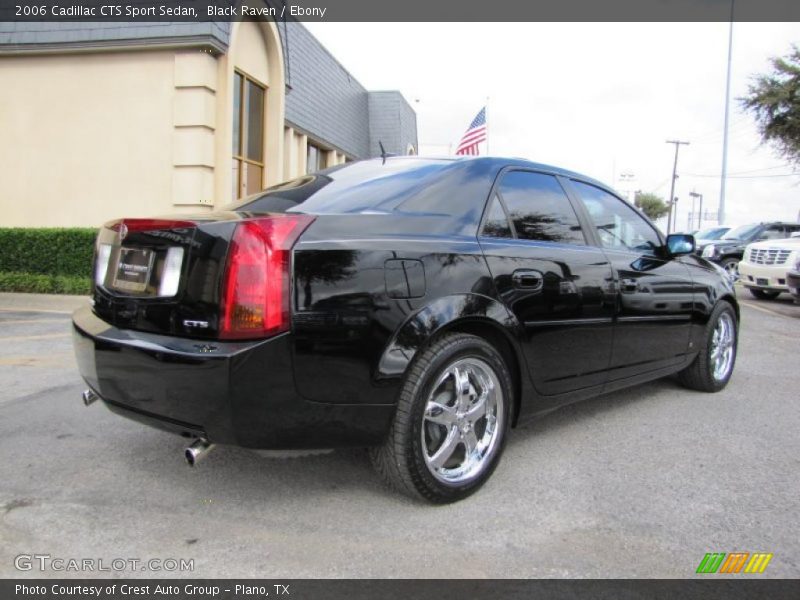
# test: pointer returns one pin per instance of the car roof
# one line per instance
(500, 162)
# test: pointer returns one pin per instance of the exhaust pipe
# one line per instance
(197, 451)
(89, 397)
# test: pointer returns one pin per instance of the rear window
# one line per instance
(365, 186)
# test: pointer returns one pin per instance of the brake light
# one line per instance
(132, 225)
(255, 292)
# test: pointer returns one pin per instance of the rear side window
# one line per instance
(618, 224)
(539, 209)
(496, 224)
(773, 232)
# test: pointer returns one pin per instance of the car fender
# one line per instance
(441, 315)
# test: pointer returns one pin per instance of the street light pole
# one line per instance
(721, 209)
(694, 195)
(672, 186)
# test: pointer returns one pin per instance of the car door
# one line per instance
(557, 285)
(654, 293)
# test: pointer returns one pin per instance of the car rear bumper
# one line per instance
(239, 393)
(766, 277)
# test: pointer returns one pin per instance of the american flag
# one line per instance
(476, 133)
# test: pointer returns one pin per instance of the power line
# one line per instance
(772, 168)
(743, 176)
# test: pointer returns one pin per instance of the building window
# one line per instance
(315, 158)
(248, 136)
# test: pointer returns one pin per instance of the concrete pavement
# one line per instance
(640, 483)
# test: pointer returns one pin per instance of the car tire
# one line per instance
(731, 266)
(764, 294)
(712, 368)
(438, 413)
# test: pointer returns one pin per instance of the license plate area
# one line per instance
(763, 281)
(132, 273)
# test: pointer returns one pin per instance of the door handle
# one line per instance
(527, 279)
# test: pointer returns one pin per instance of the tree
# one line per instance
(774, 100)
(651, 205)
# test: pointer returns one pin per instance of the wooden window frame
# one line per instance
(243, 130)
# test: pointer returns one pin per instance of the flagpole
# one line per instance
(486, 115)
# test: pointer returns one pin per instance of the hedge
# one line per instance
(45, 284)
(46, 261)
(50, 251)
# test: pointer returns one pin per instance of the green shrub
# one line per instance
(51, 251)
(36, 283)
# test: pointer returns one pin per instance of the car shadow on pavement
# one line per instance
(232, 474)
(593, 408)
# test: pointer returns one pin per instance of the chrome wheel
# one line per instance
(463, 421)
(723, 347)
(732, 269)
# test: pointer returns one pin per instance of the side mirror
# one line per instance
(679, 244)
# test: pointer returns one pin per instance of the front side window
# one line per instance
(248, 136)
(618, 225)
(539, 208)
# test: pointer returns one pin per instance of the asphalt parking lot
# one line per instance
(640, 483)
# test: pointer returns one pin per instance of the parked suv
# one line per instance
(763, 270)
(415, 306)
(728, 251)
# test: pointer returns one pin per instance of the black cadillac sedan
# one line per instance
(418, 307)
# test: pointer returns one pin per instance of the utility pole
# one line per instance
(721, 209)
(672, 187)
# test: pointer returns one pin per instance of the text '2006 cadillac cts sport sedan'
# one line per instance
(418, 307)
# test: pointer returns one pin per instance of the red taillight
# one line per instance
(255, 293)
(132, 225)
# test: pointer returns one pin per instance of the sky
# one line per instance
(597, 98)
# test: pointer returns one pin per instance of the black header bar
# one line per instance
(399, 10)
(705, 588)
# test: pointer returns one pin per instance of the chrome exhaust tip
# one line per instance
(197, 451)
(89, 397)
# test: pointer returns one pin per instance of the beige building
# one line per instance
(110, 120)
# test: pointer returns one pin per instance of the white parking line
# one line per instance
(761, 308)
(23, 338)
(16, 321)
(35, 310)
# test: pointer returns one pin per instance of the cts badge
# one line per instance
(196, 324)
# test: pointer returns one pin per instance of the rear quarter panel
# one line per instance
(353, 337)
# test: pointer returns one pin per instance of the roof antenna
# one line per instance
(384, 154)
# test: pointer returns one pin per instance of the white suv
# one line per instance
(764, 265)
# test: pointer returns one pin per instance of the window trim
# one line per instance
(243, 133)
(589, 237)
